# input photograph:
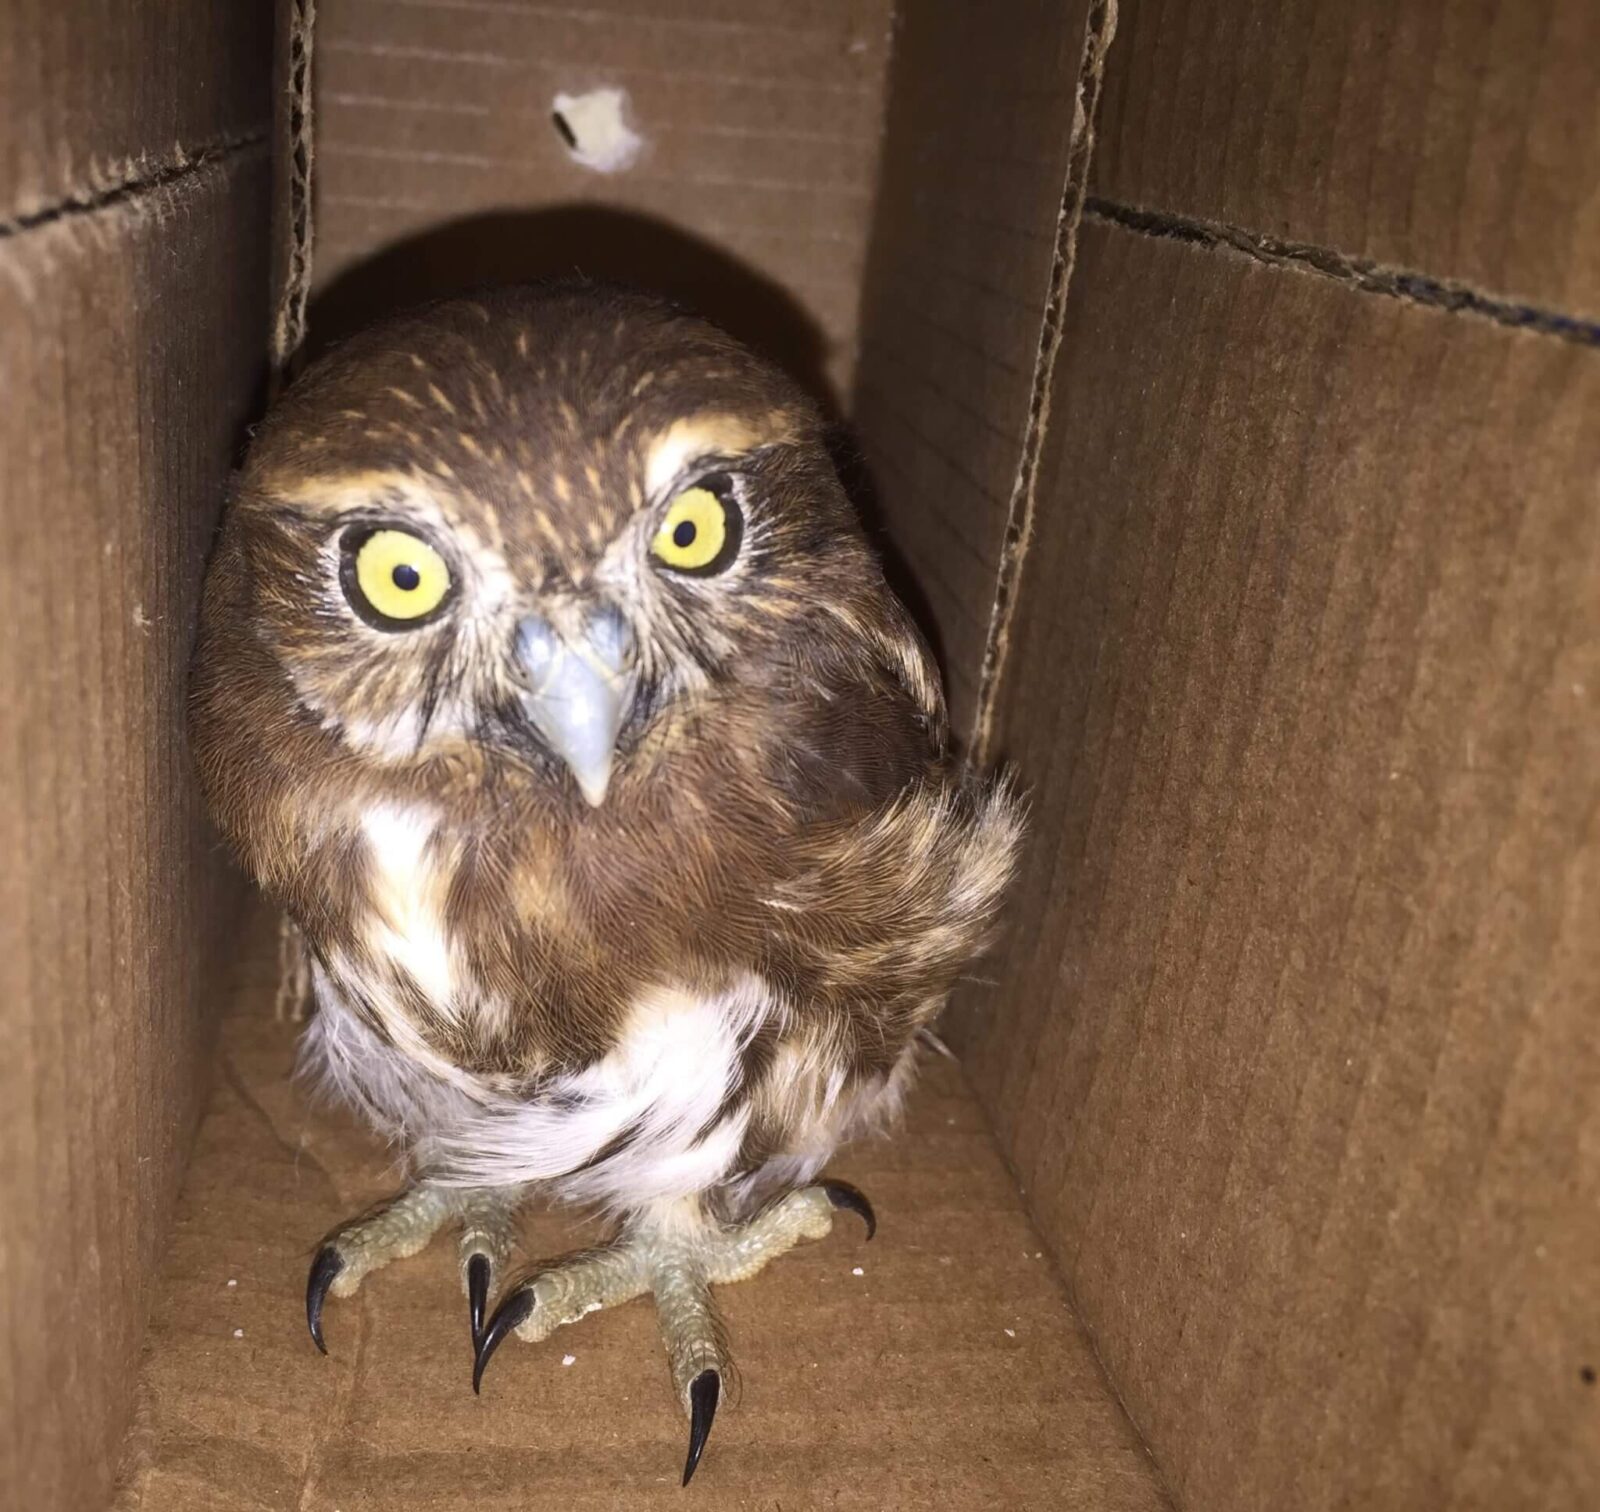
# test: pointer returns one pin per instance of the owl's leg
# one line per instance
(676, 1252)
(403, 1228)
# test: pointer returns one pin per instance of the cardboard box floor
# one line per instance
(936, 1367)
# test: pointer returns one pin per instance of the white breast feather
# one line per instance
(662, 1085)
(399, 1092)
(406, 926)
(675, 1060)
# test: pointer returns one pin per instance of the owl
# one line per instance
(548, 681)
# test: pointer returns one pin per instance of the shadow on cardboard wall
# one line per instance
(614, 246)
(610, 246)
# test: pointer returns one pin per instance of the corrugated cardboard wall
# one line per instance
(1294, 1045)
(132, 324)
(1293, 1042)
(761, 119)
(959, 272)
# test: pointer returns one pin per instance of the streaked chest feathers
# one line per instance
(666, 1110)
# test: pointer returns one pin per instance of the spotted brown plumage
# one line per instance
(546, 677)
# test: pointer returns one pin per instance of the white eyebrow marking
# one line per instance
(708, 435)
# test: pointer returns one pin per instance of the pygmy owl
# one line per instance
(547, 679)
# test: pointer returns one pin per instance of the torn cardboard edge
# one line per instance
(1100, 29)
(292, 231)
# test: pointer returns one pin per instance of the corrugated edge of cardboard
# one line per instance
(1099, 32)
(293, 156)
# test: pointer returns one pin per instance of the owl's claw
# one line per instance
(404, 1227)
(842, 1195)
(508, 1316)
(324, 1269)
(478, 1272)
(677, 1258)
(704, 1391)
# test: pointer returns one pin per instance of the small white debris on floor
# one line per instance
(569, 1359)
(1010, 1333)
(232, 1281)
(856, 1270)
(594, 125)
(238, 1333)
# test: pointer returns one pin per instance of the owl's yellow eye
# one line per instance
(701, 529)
(394, 579)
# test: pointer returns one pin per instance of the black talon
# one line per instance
(324, 1268)
(703, 1393)
(842, 1195)
(477, 1294)
(513, 1311)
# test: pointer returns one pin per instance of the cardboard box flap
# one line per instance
(124, 398)
(982, 123)
(1294, 1051)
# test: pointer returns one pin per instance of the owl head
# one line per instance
(546, 524)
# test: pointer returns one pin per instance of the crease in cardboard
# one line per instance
(1357, 272)
(1099, 31)
(299, 1152)
(144, 174)
(336, 1423)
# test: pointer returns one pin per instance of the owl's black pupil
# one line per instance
(406, 577)
(683, 534)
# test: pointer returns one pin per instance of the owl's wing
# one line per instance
(867, 721)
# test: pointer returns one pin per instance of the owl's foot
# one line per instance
(403, 1228)
(677, 1254)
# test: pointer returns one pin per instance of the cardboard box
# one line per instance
(1225, 379)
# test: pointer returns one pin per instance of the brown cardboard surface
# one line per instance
(99, 94)
(964, 240)
(761, 124)
(947, 1374)
(1455, 139)
(1294, 1049)
(131, 341)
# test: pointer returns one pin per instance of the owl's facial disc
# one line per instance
(579, 687)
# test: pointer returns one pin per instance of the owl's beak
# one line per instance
(579, 688)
